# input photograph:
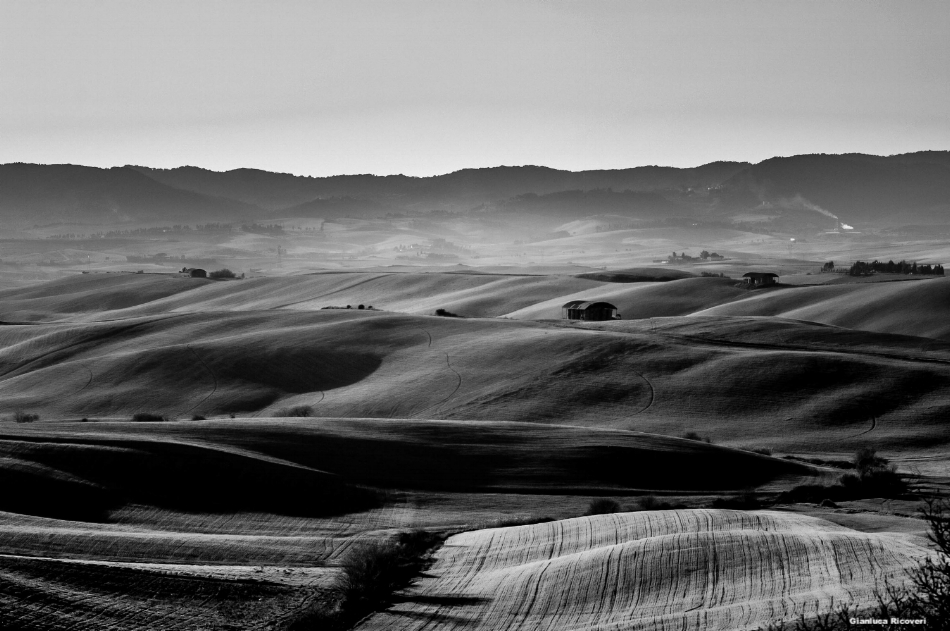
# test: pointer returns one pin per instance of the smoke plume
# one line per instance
(799, 201)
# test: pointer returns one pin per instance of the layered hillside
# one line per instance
(910, 308)
(742, 381)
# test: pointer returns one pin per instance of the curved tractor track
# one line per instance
(214, 377)
(458, 386)
(448, 364)
(868, 430)
(652, 393)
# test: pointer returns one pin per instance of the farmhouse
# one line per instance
(760, 279)
(591, 311)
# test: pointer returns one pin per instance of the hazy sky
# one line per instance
(320, 88)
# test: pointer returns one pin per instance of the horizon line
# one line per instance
(500, 166)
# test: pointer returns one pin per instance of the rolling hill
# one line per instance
(644, 300)
(130, 295)
(896, 307)
(466, 423)
(256, 347)
(690, 570)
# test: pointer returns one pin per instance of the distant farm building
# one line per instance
(590, 311)
(760, 279)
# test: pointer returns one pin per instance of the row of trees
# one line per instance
(257, 228)
(861, 268)
(147, 232)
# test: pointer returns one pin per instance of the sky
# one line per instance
(422, 88)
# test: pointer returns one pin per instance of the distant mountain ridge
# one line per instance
(38, 193)
(909, 188)
(868, 187)
(461, 188)
(864, 187)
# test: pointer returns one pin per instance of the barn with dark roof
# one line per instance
(590, 311)
(760, 279)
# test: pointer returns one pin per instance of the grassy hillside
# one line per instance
(37, 594)
(184, 475)
(223, 465)
(419, 421)
(909, 308)
(644, 300)
(693, 570)
(82, 294)
(130, 295)
(657, 377)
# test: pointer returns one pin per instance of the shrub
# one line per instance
(882, 481)
(603, 506)
(297, 411)
(874, 478)
(25, 417)
(361, 306)
(745, 501)
(148, 417)
(221, 273)
(649, 502)
(371, 574)
(445, 314)
(198, 417)
(868, 459)
(695, 436)
(763, 451)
